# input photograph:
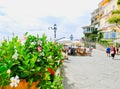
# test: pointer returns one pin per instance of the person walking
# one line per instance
(90, 50)
(108, 51)
(117, 50)
(113, 52)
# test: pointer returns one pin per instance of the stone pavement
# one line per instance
(92, 72)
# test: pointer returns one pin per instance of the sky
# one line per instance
(36, 16)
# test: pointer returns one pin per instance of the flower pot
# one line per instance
(22, 85)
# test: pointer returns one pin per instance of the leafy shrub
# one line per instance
(35, 59)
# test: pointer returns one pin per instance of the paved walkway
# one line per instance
(96, 72)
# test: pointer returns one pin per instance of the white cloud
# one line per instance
(37, 8)
(27, 15)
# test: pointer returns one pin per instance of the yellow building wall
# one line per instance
(107, 9)
(117, 34)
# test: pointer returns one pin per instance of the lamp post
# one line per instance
(55, 29)
(71, 37)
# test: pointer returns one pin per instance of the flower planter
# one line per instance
(22, 85)
(35, 58)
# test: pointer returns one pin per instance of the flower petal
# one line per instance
(12, 78)
(12, 84)
(17, 81)
(15, 85)
(16, 77)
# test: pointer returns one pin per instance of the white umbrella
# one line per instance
(77, 43)
(65, 41)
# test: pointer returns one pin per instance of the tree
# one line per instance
(118, 2)
(115, 18)
(100, 36)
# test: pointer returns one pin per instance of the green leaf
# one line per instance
(9, 65)
(25, 74)
(3, 68)
(31, 81)
(21, 68)
(38, 69)
(26, 33)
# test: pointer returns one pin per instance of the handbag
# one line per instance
(112, 52)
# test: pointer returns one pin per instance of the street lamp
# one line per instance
(55, 29)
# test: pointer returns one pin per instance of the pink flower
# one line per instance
(39, 48)
(25, 38)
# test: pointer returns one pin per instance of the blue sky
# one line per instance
(36, 16)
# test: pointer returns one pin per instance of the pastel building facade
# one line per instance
(94, 23)
(109, 30)
(99, 20)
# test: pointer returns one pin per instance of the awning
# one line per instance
(65, 41)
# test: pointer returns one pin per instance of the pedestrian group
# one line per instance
(111, 51)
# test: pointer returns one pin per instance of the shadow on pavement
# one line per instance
(66, 81)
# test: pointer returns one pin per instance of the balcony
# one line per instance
(95, 12)
(95, 22)
(87, 32)
(88, 29)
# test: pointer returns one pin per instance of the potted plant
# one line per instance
(30, 64)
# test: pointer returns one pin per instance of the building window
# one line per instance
(92, 29)
(88, 30)
(113, 7)
(113, 34)
(106, 35)
(106, 11)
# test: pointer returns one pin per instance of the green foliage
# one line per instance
(105, 43)
(30, 60)
(57, 84)
(118, 2)
(91, 36)
(95, 32)
(100, 36)
(116, 12)
(114, 19)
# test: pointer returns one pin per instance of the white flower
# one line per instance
(8, 71)
(14, 47)
(14, 81)
(15, 56)
(49, 57)
(58, 62)
(42, 54)
(32, 43)
(38, 60)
